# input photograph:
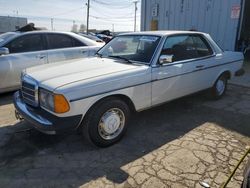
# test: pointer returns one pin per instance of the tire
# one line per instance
(219, 88)
(106, 122)
(246, 180)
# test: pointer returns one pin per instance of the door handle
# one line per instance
(83, 51)
(199, 66)
(40, 56)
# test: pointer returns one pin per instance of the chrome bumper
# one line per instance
(43, 120)
(36, 120)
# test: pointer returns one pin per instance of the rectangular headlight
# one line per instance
(46, 99)
(53, 102)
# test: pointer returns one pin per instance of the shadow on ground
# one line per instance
(6, 98)
(31, 157)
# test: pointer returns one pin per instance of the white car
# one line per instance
(20, 50)
(133, 72)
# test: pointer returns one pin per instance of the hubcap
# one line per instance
(220, 86)
(111, 124)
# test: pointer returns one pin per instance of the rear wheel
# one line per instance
(106, 122)
(220, 87)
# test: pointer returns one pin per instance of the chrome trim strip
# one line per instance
(28, 99)
(80, 98)
(125, 87)
(28, 94)
(34, 88)
(28, 88)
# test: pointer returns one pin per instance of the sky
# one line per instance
(104, 14)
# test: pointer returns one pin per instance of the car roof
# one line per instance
(162, 33)
(86, 40)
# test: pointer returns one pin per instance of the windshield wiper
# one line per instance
(98, 54)
(120, 57)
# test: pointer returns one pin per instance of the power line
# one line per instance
(112, 4)
(67, 12)
(118, 12)
(107, 13)
(131, 18)
(108, 5)
(110, 20)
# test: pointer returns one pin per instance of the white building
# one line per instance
(8, 23)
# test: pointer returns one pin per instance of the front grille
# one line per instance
(29, 91)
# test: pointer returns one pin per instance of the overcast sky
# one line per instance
(103, 13)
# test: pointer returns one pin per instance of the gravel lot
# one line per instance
(176, 145)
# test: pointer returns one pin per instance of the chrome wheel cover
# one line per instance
(111, 124)
(220, 87)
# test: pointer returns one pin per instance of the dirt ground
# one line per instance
(176, 145)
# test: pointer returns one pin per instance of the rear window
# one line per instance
(202, 47)
(59, 41)
(56, 41)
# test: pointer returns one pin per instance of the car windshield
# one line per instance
(6, 36)
(134, 48)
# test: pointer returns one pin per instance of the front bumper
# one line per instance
(43, 120)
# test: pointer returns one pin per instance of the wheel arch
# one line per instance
(121, 97)
(227, 73)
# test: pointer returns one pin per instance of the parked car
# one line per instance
(104, 38)
(97, 95)
(20, 50)
(92, 37)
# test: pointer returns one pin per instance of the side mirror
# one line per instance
(165, 59)
(4, 51)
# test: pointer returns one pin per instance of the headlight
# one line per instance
(53, 102)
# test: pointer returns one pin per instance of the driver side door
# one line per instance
(175, 79)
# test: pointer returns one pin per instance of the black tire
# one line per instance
(219, 88)
(91, 124)
(246, 180)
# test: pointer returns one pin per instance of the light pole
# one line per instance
(88, 16)
(135, 2)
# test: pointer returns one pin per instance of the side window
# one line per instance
(59, 41)
(180, 47)
(26, 43)
(77, 43)
(202, 47)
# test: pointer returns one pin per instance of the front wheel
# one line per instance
(106, 122)
(220, 87)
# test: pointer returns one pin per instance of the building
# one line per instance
(8, 23)
(227, 21)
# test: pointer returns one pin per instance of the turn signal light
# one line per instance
(61, 105)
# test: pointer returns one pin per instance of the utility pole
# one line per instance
(88, 4)
(52, 24)
(135, 2)
(113, 28)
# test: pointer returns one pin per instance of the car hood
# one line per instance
(60, 74)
